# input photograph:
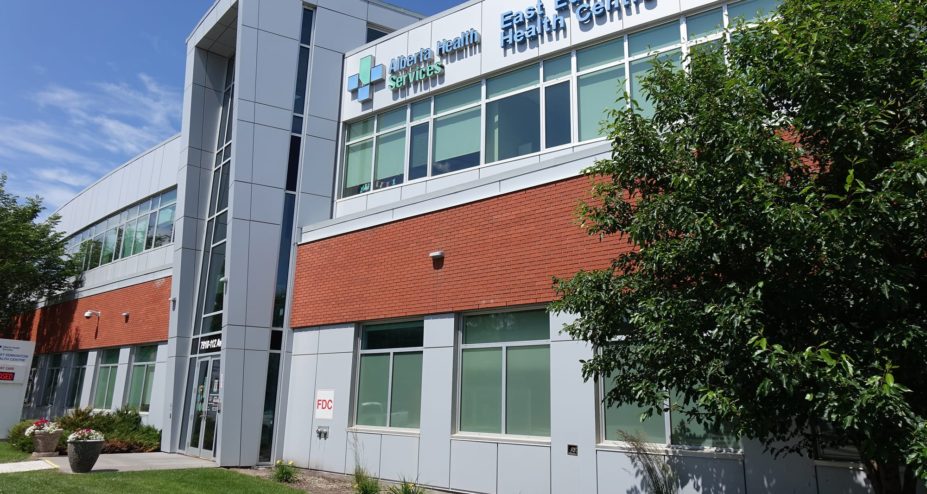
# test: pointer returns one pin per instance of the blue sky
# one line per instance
(87, 85)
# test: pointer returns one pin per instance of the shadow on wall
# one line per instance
(51, 327)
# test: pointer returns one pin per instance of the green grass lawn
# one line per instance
(203, 480)
(9, 454)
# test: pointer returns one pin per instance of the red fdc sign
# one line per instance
(7, 376)
(325, 404)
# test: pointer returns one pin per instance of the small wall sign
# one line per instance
(325, 404)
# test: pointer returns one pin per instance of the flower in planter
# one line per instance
(42, 425)
(86, 435)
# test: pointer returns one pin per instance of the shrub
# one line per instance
(283, 472)
(17, 437)
(405, 487)
(122, 428)
(364, 483)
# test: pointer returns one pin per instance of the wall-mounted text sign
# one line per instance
(522, 26)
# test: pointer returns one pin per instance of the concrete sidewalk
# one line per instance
(131, 462)
(26, 466)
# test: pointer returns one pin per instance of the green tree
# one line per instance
(777, 200)
(33, 264)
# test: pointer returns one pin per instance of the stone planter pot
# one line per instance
(82, 455)
(45, 443)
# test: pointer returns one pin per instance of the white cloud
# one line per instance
(79, 133)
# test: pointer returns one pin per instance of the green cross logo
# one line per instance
(367, 76)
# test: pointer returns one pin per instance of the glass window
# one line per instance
(142, 377)
(215, 287)
(388, 169)
(109, 246)
(690, 432)
(457, 99)
(505, 373)
(140, 229)
(302, 73)
(704, 24)
(751, 10)
(602, 54)
(627, 418)
(557, 114)
(52, 376)
(654, 38)
(640, 68)
(418, 151)
(128, 238)
(391, 120)
(292, 164)
(456, 141)
(556, 68)
(598, 92)
(106, 379)
(512, 81)
(150, 234)
(305, 35)
(77, 379)
(374, 34)
(357, 162)
(421, 109)
(165, 229)
(513, 125)
(357, 130)
(168, 197)
(389, 383)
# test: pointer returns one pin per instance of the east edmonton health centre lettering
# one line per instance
(518, 27)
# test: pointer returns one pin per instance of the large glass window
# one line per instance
(598, 93)
(107, 365)
(131, 231)
(513, 121)
(505, 373)
(640, 68)
(141, 377)
(389, 383)
(457, 130)
(77, 379)
(683, 430)
(52, 378)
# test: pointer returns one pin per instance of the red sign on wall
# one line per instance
(7, 376)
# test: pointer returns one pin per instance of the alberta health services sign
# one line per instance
(15, 362)
(405, 70)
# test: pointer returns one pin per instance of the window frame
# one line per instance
(111, 369)
(360, 352)
(76, 379)
(147, 367)
(667, 419)
(503, 346)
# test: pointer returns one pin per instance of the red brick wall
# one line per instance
(62, 327)
(499, 252)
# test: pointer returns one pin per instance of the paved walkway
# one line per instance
(131, 462)
(126, 462)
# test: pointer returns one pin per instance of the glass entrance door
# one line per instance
(205, 410)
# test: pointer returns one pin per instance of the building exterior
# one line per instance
(344, 257)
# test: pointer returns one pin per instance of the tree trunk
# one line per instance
(890, 478)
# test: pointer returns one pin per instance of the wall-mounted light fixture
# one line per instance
(437, 259)
(91, 313)
(173, 303)
(125, 316)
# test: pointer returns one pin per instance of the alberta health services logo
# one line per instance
(362, 82)
(405, 70)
